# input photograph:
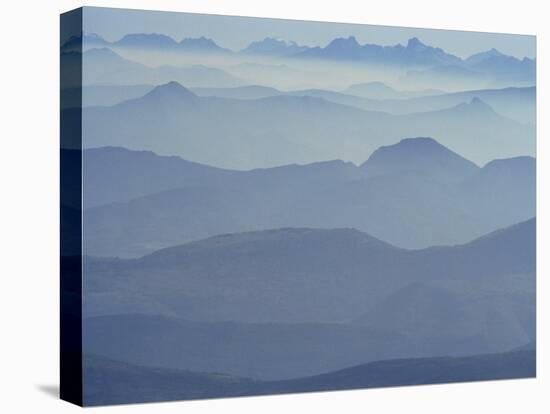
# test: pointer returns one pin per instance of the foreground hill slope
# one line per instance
(113, 382)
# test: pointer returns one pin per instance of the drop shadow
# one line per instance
(49, 389)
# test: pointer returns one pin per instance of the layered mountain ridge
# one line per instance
(398, 195)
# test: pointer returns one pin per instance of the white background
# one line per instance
(29, 222)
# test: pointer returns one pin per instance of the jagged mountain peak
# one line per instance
(147, 38)
(172, 90)
(275, 46)
(344, 42)
(413, 144)
(201, 43)
(415, 43)
(476, 106)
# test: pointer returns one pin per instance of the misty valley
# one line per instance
(288, 218)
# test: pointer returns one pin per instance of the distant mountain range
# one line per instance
(151, 41)
(274, 47)
(365, 96)
(114, 382)
(278, 130)
(415, 53)
(162, 42)
(518, 104)
(492, 64)
(400, 194)
(514, 103)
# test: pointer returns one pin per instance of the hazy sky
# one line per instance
(237, 32)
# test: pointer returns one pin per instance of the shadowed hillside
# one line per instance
(113, 382)
(291, 293)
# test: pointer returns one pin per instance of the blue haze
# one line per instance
(350, 206)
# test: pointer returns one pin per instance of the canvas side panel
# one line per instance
(71, 207)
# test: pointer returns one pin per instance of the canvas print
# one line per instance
(262, 206)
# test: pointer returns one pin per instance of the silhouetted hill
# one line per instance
(478, 113)
(514, 103)
(314, 129)
(265, 276)
(260, 351)
(520, 364)
(122, 175)
(491, 187)
(114, 382)
(400, 195)
(531, 346)
(163, 98)
(465, 323)
(419, 156)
